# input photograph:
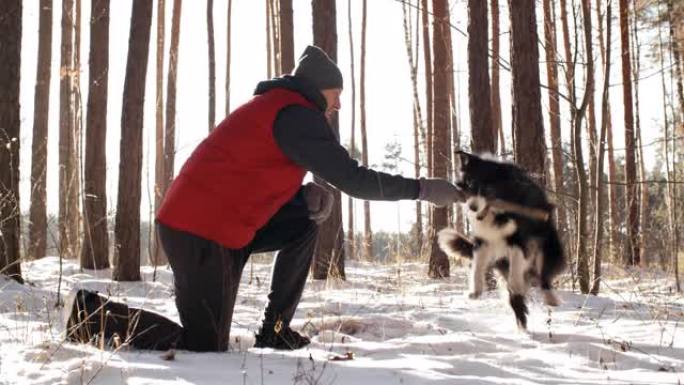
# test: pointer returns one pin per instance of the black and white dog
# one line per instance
(525, 251)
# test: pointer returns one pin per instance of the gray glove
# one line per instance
(319, 201)
(438, 192)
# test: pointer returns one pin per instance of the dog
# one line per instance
(525, 251)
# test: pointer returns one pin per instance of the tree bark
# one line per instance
(78, 128)
(550, 43)
(269, 43)
(351, 244)
(528, 125)
(632, 256)
(212, 65)
(229, 23)
(454, 211)
(613, 223)
(367, 232)
(275, 31)
(429, 105)
(570, 60)
(127, 228)
(329, 257)
(287, 36)
(158, 257)
(496, 88)
(643, 187)
(41, 105)
(675, 48)
(483, 131)
(10, 126)
(68, 205)
(675, 73)
(95, 250)
(584, 195)
(593, 143)
(170, 121)
(605, 116)
(417, 121)
(439, 263)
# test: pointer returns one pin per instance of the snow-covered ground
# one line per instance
(401, 328)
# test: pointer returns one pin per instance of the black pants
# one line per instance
(207, 277)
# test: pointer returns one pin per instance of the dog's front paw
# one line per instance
(474, 294)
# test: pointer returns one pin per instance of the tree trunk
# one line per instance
(229, 25)
(605, 116)
(454, 211)
(170, 121)
(329, 257)
(439, 263)
(367, 232)
(427, 53)
(286, 37)
(613, 223)
(351, 244)
(212, 64)
(675, 49)
(269, 43)
(10, 126)
(68, 207)
(158, 257)
(569, 60)
(583, 197)
(127, 228)
(417, 234)
(593, 143)
(554, 108)
(95, 250)
(482, 127)
(453, 137)
(41, 105)
(528, 125)
(675, 73)
(632, 256)
(496, 97)
(643, 187)
(275, 30)
(77, 155)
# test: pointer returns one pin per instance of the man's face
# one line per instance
(332, 98)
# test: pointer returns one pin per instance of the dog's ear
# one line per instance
(462, 159)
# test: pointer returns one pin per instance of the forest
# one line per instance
(587, 96)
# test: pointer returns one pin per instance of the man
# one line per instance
(240, 192)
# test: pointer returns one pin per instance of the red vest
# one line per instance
(237, 178)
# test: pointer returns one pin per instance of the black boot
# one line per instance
(280, 338)
(96, 319)
(92, 319)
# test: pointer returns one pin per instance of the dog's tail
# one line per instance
(455, 244)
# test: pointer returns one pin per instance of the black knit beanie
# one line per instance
(316, 66)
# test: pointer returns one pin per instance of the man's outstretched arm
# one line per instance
(305, 137)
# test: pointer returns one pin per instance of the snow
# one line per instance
(398, 326)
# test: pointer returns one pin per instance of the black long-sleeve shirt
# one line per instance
(306, 138)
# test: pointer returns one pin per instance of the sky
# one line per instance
(388, 86)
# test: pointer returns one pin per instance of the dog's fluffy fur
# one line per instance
(524, 251)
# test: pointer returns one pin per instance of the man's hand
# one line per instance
(319, 201)
(439, 192)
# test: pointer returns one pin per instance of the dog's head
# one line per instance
(487, 177)
(474, 174)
